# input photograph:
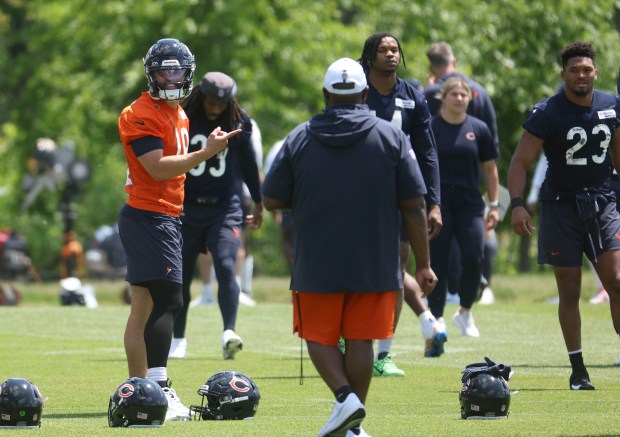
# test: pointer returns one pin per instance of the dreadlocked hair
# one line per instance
(369, 53)
(230, 118)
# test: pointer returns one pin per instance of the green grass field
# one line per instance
(76, 357)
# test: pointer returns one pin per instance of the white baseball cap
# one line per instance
(345, 76)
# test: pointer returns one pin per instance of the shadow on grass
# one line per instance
(516, 367)
(286, 377)
(75, 415)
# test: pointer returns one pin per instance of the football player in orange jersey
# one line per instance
(154, 131)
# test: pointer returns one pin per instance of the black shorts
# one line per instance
(216, 228)
(153, 245)
(563, 237)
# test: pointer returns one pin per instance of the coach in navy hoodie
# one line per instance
(348, 177)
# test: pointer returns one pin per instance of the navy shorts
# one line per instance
(153, 245)
(213, 227)
(564, 237)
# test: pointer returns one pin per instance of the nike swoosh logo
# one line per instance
(579, 387)
(139, 122)
(554, 253)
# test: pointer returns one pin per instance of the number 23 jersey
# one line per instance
(576, 140)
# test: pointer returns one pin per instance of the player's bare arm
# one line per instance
(435, 222)
(162, 167)
(491, 180)
(527, 150)
(255, 220)
(615, 150)
(413, 213)
(272, 204)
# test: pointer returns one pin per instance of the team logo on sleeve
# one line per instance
(470, 136)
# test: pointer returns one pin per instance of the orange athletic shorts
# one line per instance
(324, 317)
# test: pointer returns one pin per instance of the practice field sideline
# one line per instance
(75, 356)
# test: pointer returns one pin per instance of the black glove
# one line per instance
(489, 368)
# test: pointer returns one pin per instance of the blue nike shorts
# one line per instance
(153, 244)
(564, 237)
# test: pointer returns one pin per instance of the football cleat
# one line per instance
(580, 381)
(231, 344)
(385, 367)
(434, 346)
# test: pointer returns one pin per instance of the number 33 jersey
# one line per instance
(221, 176)
(576, 140)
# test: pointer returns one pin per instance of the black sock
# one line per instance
(342, 393)
(382, 355)
(576, 362)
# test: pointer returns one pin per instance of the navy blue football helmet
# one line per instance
(138, 402)
(21, 404)
(228, 396)
(485, 393)
(169, 67)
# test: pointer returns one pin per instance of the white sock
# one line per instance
(238, 279)
(384, 345)
(157, 374)
(247, 270)
(427, 321)
(207, 291)
(213, 275)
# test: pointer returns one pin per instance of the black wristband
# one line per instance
(516, 202)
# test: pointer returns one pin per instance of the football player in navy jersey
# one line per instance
(577, 131)
(394, 99)
(212, 215)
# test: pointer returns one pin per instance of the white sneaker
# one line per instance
(231, 344)
(345, 415)
(176, 410)
(487, 297)
(202, 300)
(465, 321)
(617, 362)
(453, 299)
(178, 348)
(601, 296)
(361, 434)
(246, 300)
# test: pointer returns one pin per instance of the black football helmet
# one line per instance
(21, 404)
(229, 396)
(138, 402)
(169, 67)
(484, 396)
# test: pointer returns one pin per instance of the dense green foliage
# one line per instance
(70, 67)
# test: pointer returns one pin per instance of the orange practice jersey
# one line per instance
(147, 117)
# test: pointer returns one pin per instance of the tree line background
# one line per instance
(70, 66)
